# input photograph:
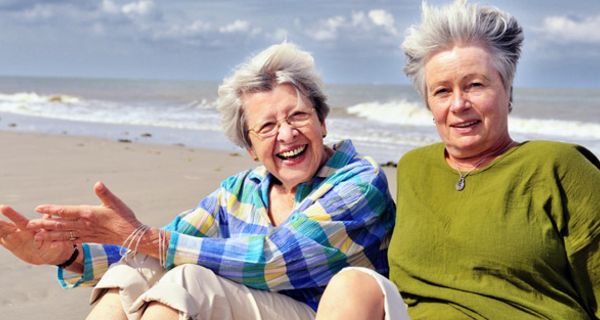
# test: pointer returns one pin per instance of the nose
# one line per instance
(286, 132)
(460, 102)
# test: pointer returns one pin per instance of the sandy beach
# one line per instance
(157, 181)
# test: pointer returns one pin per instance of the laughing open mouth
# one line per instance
(292, 153)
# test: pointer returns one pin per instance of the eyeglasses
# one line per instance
(297, 119)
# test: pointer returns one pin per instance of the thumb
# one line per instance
(107, 198)
(19, 220)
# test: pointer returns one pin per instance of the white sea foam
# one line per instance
(395, 112)
(404, 112)
(32, 97)
(198, 114)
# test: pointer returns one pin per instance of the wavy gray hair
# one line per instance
(462, 23)
(278, 64)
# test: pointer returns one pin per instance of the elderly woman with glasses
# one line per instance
(262, 246)
(487, 227)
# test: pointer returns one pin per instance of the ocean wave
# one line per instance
(32, 97)
(200, 114)
(403, 112)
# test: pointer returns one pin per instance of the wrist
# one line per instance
(71, 259)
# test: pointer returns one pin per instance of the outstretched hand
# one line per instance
(15, 237)
(108, 223)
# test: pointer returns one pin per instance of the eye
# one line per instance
(299, 116)
(440, 91)
(267, 127)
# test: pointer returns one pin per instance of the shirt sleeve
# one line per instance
(336, 225)
(97, 259)
(581, 184)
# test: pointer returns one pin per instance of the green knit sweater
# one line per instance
(521, 241)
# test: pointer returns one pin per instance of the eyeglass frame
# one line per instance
(310, 111)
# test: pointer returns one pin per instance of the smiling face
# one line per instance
(292, 155)
(468, 100)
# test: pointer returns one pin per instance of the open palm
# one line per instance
(20, 242)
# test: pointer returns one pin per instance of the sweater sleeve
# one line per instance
(581, 184)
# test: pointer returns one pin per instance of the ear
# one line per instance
(323, 129)
(252, 154)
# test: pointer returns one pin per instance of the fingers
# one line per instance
(54, 224)
(67, 212)
(46, 235)
(107, 198)
(19, 220)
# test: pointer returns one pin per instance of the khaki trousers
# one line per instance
(196, 292)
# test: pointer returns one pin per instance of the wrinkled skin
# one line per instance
(108, 223)
(17, 239)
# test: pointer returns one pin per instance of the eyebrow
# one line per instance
(465, 77)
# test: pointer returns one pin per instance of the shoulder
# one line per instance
(361, 170)
(421, 155)
(348, 165)
(559, 153)
(236, 181)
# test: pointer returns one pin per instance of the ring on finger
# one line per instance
(72, 236)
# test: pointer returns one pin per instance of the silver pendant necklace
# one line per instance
(460, 184)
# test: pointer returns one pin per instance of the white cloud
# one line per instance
(240, 27)
(328, 29)
(359, 24)
(383, 19)
(136, 8)
(109, 7)
(360, 19)
(194, 29)
(38, 12)
(141, 8)
(236, 26)
(572, 30)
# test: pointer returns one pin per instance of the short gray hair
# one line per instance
(462, 23)
(278, 64)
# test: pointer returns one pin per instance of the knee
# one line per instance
(188, 289)
(356, 281)
(188, 271)
(352, 294)
(354, 286)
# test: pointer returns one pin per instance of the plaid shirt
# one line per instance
(342, 217)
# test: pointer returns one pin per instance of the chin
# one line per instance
(294, 179)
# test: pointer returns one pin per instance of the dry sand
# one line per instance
(156, 181)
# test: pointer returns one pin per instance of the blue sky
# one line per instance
(353, 41)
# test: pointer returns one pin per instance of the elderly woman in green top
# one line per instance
(487, 227)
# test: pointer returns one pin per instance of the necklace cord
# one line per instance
(460, 184)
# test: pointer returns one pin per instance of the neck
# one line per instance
(474, 162)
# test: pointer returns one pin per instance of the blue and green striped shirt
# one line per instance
(342, 217)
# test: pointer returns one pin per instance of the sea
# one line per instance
(383, 121)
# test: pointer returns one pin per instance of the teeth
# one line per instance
(292, 153)
(466, 124)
